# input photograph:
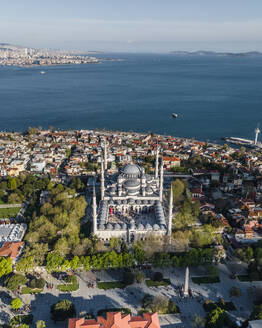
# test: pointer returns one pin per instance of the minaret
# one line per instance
(257, 131)
(102, 180)
(105, 155)
(170, 214)
(157, 160)
(94, 211)
(161, 181)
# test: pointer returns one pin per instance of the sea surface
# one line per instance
(213, 96)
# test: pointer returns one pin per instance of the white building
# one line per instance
(131, 205)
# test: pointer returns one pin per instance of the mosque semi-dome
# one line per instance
(132, 184)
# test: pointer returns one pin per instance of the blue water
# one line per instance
(214, 96)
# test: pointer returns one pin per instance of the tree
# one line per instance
(40, 324)
(160, 304)
(212, 270)
(178, 190)
(14, 198)
(128, 277)
(199, 322)
(114, 243)
(139, 254)
(5, 266)
(54, 261)
(3, 185)
(139, 276)
(147, 300)
(37, 283)
(16, 303)
(226, 147)
(256, 313)
(235, 291)
(62, 310)
(12, 184)
(25, 264)
(217, 318)
(15, 281)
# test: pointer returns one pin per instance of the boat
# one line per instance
(174, 115)
(42, 72)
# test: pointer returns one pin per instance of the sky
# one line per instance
(133, 25)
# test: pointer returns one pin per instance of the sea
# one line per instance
(214, 96)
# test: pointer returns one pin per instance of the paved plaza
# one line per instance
(90, 300)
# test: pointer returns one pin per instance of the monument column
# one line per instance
(186, 282)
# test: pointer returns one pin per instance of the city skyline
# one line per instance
(133, 26)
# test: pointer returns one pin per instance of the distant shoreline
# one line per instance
(215, 53)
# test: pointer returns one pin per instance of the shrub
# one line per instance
(15, 281)
(206, 280)
(158, 276)
(111, 284)
(62, 310)
(153, 283)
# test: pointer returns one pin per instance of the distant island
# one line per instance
(12, 55)
(214, 53)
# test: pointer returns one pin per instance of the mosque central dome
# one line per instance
(131, 171)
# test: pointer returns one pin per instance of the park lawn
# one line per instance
(153, 283)
(111, 284)
(206, 280)
(10, 212)
(68, 287)
(246, 278)
(28, 290)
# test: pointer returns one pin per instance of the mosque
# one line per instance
(131, 205)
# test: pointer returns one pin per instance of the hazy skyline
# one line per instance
(233, 25)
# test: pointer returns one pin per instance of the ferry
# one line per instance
(174, 115)
(42, 72)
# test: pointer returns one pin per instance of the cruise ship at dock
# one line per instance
(242, 142)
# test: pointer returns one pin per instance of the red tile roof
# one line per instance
(117, 320)
(11, 249)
